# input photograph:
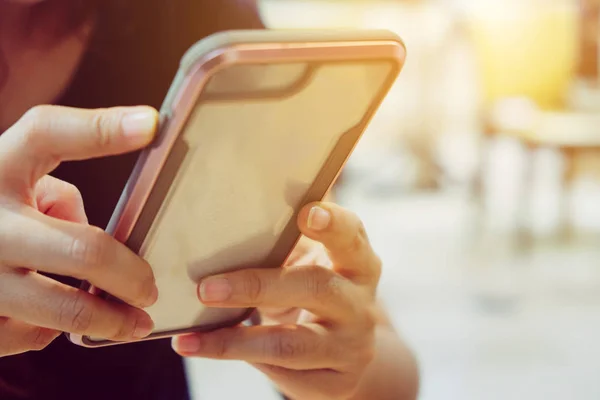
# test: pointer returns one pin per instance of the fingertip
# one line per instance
(186, 345)
(144, 326)
(315, 218)
(153, 295)
(140, 124)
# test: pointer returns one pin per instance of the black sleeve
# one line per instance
(223, 14)
(195, 19)
(192, 20)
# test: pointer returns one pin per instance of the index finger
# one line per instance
(35, 241)
(44, 302)
(47, 135)
(344, 236)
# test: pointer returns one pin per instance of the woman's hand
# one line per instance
(306, 252)
(326, 351)
(43, 228)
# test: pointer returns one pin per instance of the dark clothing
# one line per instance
(132, 59)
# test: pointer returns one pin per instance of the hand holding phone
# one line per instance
(44, 232)
(256, 125)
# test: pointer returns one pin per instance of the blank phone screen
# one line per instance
(251, 150)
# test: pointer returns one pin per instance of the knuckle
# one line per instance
(321, 284)
(283, 346)
(75, 314)
(32, 123)
(332, 287)
(90, 248)
(103, 126)
(30, 131)
(354, 237)
(36, 115)
(126, 328)
(222, 345)
(41, 338)
(252, 286)
(360, 238)
(218, 345)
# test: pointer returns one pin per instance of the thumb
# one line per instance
(48, 135)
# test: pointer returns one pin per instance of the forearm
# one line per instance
(393, 373)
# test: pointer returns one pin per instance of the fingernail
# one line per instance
(144, 327)
(187, 344)
(141, 123)
(318, 219)
(215, 290)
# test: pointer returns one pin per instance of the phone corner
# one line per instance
(75, 339)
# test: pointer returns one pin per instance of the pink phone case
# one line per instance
(323, 64)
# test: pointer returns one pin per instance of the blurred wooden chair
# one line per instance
(527, 55)
(572, 133)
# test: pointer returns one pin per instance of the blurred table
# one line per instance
(569, 132)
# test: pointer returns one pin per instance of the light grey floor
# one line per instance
(487, 323)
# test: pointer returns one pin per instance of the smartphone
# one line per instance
(256, 125)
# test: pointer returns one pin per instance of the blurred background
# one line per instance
(479, 184)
